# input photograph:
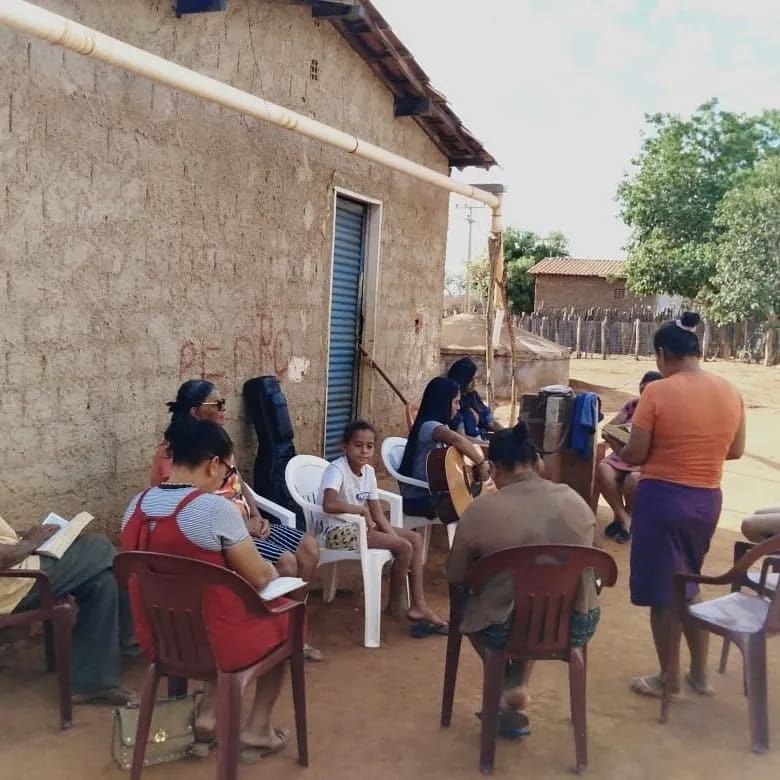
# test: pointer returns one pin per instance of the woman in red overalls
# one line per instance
(184, 517)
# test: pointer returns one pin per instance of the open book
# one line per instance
(56, 546)
(280, 586)
(618, 432)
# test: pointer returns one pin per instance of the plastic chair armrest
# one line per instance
(396, 507)
(412, 482)
(289, 605)
(41, 580)
(284, 516)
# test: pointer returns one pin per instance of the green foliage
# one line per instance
(522, 250)
(747, 277)
(670, 202)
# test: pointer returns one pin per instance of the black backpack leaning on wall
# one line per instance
(267, 409)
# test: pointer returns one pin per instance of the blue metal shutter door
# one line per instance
(345, 321)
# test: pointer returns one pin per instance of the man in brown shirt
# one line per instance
(526, 509)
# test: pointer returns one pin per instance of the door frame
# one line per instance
(368, 299)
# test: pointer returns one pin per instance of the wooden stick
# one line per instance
(378, 369)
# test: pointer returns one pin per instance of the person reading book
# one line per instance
(83, 572)
(291, 551)
(183, 516)
(616, 479)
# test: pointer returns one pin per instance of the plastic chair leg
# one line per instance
(451, 528)
(298, 679)
(329, 583)
(61, 628)
(724, 656)
(372, 594)
(426, 536)
(228, 725)
(48, 643)
(578, 698)
(755, 672)
(454, 640)
(148, 697)
(494, 663)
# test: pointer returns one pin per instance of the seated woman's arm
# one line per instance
(637, 450)
(332, 504)
(465, 446)
(245, 560)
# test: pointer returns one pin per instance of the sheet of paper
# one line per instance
(53, 519)
(280, 586)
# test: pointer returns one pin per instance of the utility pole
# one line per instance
(469, 207)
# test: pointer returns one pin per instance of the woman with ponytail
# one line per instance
(684, 428)
(526, 509)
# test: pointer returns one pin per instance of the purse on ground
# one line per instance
(171, 734)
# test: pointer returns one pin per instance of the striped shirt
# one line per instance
(210, 522)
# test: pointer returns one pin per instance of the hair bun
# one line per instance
(690, 319)
(520, 432)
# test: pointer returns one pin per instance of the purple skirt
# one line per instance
(671, 529)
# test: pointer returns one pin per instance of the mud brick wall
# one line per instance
(584, 292)
(147, 237)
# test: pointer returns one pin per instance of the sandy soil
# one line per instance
(375, 713)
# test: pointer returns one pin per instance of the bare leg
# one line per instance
(610, 488)
(630, 483)
(419, 606)
(307, 556)
(515, 694)
(258, 731)
(402, 553)
(761, 525)
(287, 565)
(206, 719)
(698, 642)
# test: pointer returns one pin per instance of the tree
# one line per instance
(522, 250)
(683, 172)
(747, 275)
(454, 284)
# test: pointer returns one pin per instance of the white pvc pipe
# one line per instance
(32, 20)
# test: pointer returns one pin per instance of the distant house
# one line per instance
(582, 284)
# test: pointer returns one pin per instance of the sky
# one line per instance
(557, 91)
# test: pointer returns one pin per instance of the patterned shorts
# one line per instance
(581, 630)
(342, 537)
(280, 540)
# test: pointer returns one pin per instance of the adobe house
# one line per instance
(579, 284)
(150, 237)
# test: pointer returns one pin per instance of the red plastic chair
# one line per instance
(757, 581)
(746, 620)
(57, 617)
(546, 582)
(172, 590)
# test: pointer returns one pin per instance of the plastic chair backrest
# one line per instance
(171, 590)
(303, 476)
(769, 547)
(392, 454)
(546, 581)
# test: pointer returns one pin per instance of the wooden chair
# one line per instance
(172, 590)
(57, 617)
(746, 620)
(757, 580)
(546, 581)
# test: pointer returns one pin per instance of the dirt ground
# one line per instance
(375, 713)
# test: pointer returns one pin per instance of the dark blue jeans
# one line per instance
(84, 572)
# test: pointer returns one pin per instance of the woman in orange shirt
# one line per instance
(684, 428)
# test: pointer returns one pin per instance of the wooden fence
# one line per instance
(601, 333)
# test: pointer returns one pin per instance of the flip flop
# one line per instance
(651, 686)
(512, 724)
(313, 654)
(612, 529)
(623, 536)
(423, 627)
(702, 690)
(251, 754)
(113, 697)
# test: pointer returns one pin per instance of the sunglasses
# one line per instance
(231, 472)
(219, 404)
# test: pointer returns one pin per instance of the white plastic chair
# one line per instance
(284, 516)
(392, 453)
(303, 476)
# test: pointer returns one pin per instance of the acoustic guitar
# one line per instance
(453, 483)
